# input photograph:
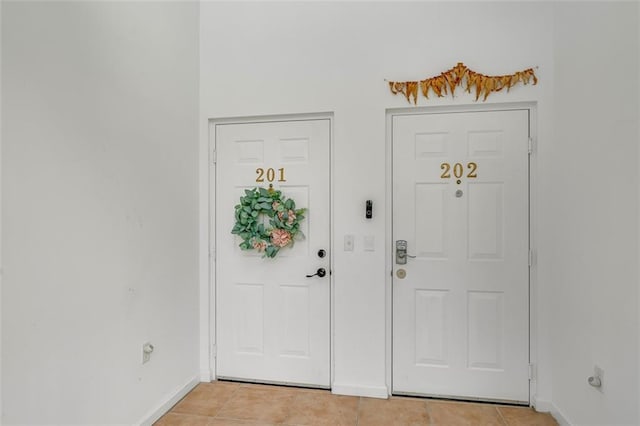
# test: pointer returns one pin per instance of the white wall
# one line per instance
(281, 58)
(295, 58)
(593, 212)
(99, 187)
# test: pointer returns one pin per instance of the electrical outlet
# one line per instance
(147, 349)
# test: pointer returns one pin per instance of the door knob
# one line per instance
(321, 272)
(401, 252)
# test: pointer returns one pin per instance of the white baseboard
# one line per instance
(545, 406)
(541, 405)
(357, 390)
(169, 401)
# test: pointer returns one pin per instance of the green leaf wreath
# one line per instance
(267, 221)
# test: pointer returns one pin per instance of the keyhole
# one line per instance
(321, 253)
(458, 193)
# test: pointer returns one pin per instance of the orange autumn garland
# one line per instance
(450, 79)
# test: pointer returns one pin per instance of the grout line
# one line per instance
(358, 411)
(428, 412)
(501, 416)
(224, 404)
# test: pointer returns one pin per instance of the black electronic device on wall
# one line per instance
(369, 210)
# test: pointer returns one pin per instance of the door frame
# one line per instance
(531, 107)
(208, 345)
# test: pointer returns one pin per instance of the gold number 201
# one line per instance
(458, 170)
(270, 174)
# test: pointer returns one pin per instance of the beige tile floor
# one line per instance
(227, 403)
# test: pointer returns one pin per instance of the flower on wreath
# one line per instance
(290, 216)
(259, 245)
(280, 237)
(267, 221)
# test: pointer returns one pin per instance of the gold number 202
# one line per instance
(458, 170)
(270, 174)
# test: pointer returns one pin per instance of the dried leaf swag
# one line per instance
(448, 81)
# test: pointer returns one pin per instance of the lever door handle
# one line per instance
(401, 252)
(321, 272)
(402, 255)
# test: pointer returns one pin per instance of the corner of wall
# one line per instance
(545, 406)
(206, 375)
(206, 297)
(1, 271)
(638, 207)
(168, 401)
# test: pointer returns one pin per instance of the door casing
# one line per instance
(389, 253)
(211, 200)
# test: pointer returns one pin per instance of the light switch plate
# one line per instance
(369, 243)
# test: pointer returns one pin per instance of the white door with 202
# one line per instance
(461, 305)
